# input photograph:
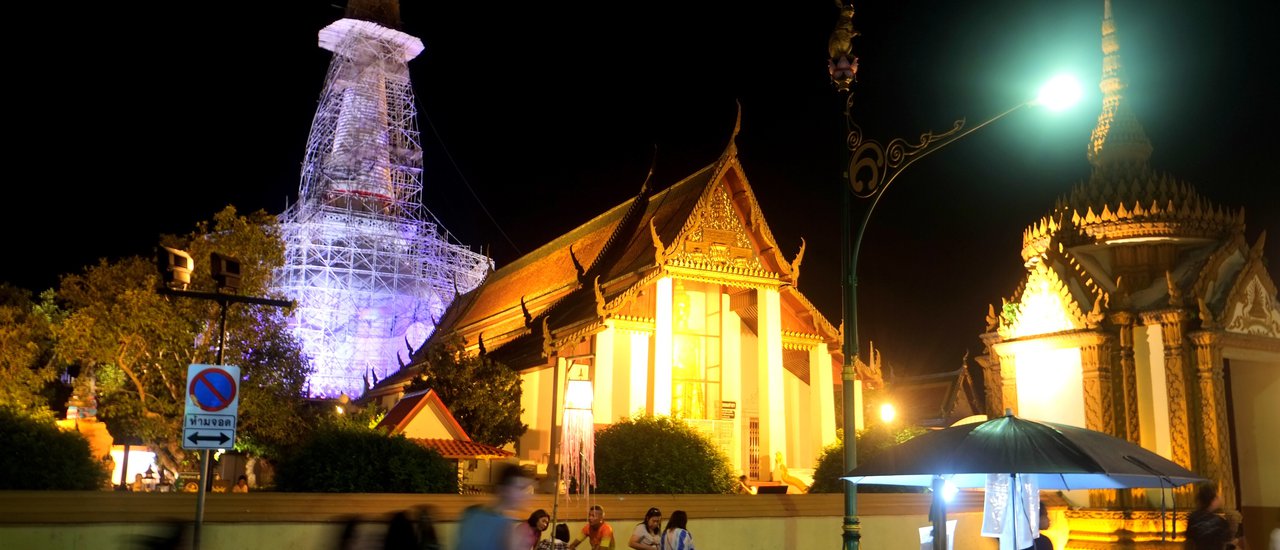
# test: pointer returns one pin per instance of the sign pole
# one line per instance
(206, 456)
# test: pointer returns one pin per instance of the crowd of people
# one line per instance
(489, 527)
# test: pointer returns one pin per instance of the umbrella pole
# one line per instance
(939, 518)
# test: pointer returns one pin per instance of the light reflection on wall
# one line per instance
(1042, 310)
(1050, 385)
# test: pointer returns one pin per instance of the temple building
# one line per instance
(1146, 313)
(677, 302)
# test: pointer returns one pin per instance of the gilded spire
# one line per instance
(1118, 135)
(382, 12)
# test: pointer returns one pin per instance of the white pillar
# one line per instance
(822, 402)
(731, 377)
(639, 371)
(602, 407)
(662, 348)
(773, 434)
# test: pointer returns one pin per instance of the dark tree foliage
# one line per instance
(482, 394)
(348, 458)
(871, 441)
(65, 462)
(659, 455)
(27, 366)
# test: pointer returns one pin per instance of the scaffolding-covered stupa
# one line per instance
(371, 270)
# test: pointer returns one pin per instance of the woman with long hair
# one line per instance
(529, 531)
(676, 536)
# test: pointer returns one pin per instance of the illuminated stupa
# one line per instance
(368, 266)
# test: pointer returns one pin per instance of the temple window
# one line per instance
(695, 350)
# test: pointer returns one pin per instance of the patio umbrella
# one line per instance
(1055, 456)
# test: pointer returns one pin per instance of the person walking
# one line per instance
(489, 527)
(530, 531)
(598, 533)
(676, 536)
(648, 533)
(1206, 529)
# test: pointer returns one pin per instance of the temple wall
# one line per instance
(1255, 393)
(1050, 385)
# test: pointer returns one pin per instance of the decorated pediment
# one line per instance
(1252, 307)
(1044, 306)
(715, 236)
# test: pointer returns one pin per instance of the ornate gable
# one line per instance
(715, 237)
(1044, 306)
(1251, 306)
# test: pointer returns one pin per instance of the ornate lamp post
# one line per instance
(872, 167)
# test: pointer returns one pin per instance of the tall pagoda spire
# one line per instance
(382, 12)
(368, 265)
(1118, 137)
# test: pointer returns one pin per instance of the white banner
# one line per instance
(1017, 526)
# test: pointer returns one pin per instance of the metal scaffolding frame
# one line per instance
(370, 268)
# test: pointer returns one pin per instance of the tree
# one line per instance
(65, 461)
(482, 394)
(659, 455)
(27, 368)
(135, 344)
(871, 441)
(348, 457)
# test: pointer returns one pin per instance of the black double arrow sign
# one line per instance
(196, 438)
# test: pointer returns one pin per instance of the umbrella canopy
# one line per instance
(1059, 456)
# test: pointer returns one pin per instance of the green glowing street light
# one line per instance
(871, 169)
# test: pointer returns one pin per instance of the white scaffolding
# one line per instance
(369, 268)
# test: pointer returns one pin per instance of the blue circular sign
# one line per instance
(212, 389)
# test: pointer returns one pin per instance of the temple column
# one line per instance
(1099, 406)
(1215, 450)
(1008, 384)
(769, 375)
(1177, 380)
(662, 327)
(821, 399)
(602, 375)
(1128, 422)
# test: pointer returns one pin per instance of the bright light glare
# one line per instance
(1060, 92)
(887, 413)
(949, 490)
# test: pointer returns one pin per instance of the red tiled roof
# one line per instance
(450, 448)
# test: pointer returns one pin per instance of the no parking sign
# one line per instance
(213, 405)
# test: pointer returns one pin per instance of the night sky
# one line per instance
(550, 115)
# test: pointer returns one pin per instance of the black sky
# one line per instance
(152, 121)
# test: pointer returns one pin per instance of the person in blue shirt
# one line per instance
(491, 527)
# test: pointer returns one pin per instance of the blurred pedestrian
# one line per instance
(489, 527)
(242, 485)
(676, 536)
(1042, 542)
(401, 533)
(1206, 529)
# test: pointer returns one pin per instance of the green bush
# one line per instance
(659, 455)
(355, 459)
(64, 461)
(826, 474)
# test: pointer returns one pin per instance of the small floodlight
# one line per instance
(175, 267)
(887, 412)
(949, 490)
(226, 271)
(1059, 93)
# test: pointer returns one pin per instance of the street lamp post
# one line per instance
(869, 172)
(176, 267)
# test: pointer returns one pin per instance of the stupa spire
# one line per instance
(1118, 137)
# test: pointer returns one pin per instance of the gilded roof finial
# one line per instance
(1118, 135)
